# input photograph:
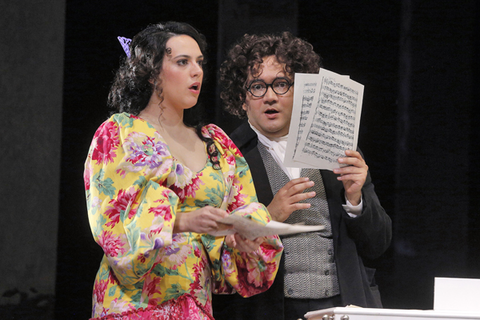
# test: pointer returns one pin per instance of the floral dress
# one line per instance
(134, 189)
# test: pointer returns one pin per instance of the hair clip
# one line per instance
(125, 42)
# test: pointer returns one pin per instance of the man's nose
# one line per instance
(270, 94)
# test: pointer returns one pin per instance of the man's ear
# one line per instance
(244, 106)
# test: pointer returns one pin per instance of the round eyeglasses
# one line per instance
(258, 88)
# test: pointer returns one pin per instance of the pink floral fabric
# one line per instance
(134, 189)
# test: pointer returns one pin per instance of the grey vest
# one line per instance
(310, 271)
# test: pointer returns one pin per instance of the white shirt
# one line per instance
(277, 147)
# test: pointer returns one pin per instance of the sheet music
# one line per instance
(307, 84)
(321, 131)
(251, 229)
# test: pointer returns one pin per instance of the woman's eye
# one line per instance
(182, 62)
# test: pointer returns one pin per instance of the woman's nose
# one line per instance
(197, 70)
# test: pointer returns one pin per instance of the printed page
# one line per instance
(332, 124)
(307, 84)
(252, 230)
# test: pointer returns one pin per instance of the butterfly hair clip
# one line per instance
(125, 42)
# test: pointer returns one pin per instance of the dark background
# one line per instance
(419, 129)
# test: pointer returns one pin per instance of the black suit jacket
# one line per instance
(354, 239)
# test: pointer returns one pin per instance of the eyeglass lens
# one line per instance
(280, 86)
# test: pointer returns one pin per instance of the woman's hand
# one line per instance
(242, 244)
(203, 220)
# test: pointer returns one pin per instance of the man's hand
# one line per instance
(353, 175)
(287, 199)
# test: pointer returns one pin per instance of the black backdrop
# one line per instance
(418, 130)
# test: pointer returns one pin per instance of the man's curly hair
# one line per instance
(247, 55)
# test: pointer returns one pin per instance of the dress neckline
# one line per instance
(170, 151)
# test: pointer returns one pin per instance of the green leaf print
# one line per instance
(124, 120)
(161, 271)
(217, 266)
(174, 292)
(141, 181)
(111, 292)
(208, 242)
(214, 197)
(103, 185)
(216, 175)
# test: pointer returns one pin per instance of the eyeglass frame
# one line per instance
(290, 84)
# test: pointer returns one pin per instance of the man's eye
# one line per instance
(257, 86)
(281, 84)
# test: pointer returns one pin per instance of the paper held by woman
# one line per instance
(251, 229)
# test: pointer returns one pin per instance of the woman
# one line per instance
(156, 188)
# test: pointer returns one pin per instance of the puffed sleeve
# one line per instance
(131, 213)
(246, 273)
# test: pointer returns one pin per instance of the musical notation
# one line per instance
(325, 119)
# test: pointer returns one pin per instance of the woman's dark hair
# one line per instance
(246, 56)
(138, 75)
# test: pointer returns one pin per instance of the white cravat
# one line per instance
(277, 149)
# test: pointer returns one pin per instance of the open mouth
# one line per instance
(195, 87)
(271, 111)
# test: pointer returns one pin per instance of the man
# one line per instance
(321, 269)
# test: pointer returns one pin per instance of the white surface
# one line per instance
(389, 314)
(457, 294)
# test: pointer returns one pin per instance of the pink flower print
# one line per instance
(197, 272)
(107, 141)
(125, 199)
(99, 290)
(121, 304)
(190, 189)
(151, 285)
(268, 251)
(238, 197)
(230, 159)
(197, 251)
(112, 245)
(155, 230)
(219, 135)
(86, 176)
(112, 278)
(246, 277)
(164, 211)
(194, 186)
